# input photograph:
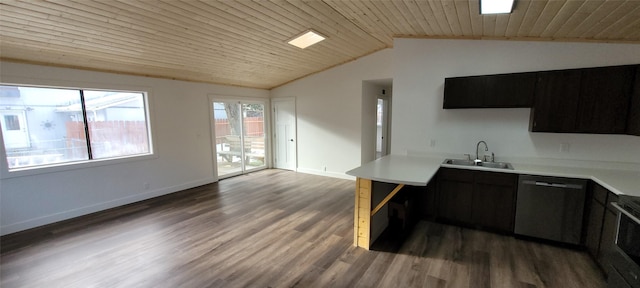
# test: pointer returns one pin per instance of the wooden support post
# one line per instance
(362, 213)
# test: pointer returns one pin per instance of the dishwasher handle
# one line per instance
(552, 184)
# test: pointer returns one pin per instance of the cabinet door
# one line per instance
(490, 91)
(608, 237)
(556, 101)
(594, 227)
(463, 92)
(604, 99)
(633, 121)
(509, 90)
(456, 188)
(428, 201)
(493, 203)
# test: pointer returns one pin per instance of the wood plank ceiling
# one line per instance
(244, 43)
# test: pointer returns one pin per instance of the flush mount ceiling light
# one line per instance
(306, 39)
(496, 6)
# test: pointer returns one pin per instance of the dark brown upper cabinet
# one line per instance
(633, 121)
(591, 100)
(490, 91)
(556, 101)
(604, 99)
(600, 100)
(463, 92)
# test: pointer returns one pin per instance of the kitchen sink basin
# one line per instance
(462, 162)
(465, 162)
(500, 165)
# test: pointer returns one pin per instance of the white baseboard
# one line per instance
(326, 173)
(65, 215)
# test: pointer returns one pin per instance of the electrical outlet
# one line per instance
(432, 143)
(564, 147)
(145, 185)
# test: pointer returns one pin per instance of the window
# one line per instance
(46, 126)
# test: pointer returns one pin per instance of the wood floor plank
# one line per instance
(272, 228)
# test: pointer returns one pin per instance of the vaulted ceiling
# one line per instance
(244, 43)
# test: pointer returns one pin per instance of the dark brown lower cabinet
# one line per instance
(594, 227)
(477, 198)
(487, 200)
(428, 200)
(601, 227)
(493, 201)
(455, 195)
(608, 238)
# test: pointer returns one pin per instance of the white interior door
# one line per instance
(284, 115)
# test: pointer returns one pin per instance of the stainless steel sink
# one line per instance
(465, 162)
(499, 165)
(462, 162)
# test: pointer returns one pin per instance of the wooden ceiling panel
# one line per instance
(244, 42)
(464, 17)
(546, 17)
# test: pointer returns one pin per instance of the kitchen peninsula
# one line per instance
(393, 169)
(378, 181)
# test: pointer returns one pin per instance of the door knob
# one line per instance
(291, 140)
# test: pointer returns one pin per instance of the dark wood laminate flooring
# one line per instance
(272, 228)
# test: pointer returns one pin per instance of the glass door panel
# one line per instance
(240, 137)
(254, 136)
(228, 130)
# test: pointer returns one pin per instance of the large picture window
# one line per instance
(46, 126)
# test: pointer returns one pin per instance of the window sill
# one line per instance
(30, 171)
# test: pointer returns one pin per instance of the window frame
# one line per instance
(146, 92)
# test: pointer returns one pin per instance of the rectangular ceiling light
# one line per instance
(306, 39)
(496, 6)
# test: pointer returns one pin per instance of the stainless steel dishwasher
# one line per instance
(550, 208)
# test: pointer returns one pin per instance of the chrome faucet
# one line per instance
(486, 148)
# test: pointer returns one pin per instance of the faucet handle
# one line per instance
(489, 158)
(468, 156)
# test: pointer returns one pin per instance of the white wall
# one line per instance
(420, 67)
(180, 119)
(329, 111)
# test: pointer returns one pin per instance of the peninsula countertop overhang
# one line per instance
(399, 169)
(419, 170)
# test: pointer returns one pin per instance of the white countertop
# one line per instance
(418, 171)
(409, 170)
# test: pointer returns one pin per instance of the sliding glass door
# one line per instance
(240, 142)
